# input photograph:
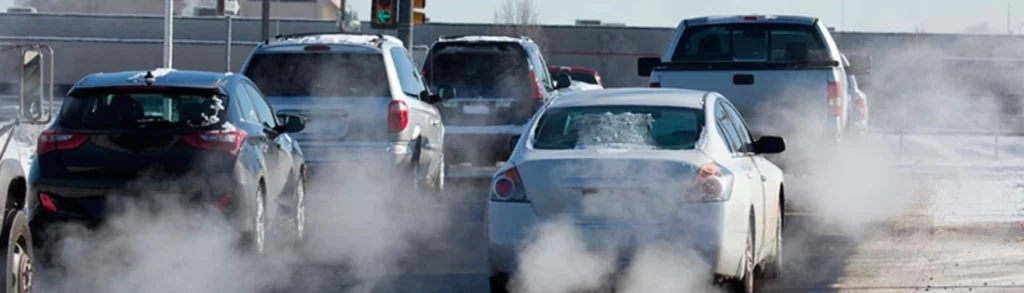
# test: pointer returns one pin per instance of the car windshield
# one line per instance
(751, 43)
(319, 74)
(151, 109)
(480, 70)
(671, 128)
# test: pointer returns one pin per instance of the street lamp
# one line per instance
(168, 33)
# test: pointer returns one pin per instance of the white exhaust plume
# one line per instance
(559, 261)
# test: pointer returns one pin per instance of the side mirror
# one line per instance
(290, 123)
(769, 145)
(426, 96)
(33, 82)
(859, 65)
(644, 65)
(513, 141)
(445, 92)
(562, 80)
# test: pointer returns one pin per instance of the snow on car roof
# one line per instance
(480, 38)
(349, 39)
(759, 18)
(632, 96)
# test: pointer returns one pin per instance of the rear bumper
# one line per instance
(353, 153)
(716, 238)
(484, 144)
(92, 202)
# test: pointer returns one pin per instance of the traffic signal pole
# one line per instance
(405, 22)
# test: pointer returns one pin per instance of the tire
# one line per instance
(499, 283)
(254, 241)
(773, 269)
(20, 260)
(745, 284)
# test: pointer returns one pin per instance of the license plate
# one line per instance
(475, 110)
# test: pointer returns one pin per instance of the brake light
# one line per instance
(317, 48)
(835, 102)
(47, 202)
(655, 84)
(750, 18)
(537, 93)
(508, 187)
(221, 140)
(398, 116)
(52, 140)
(712, 184)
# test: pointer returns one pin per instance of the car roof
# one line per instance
(666, 97)
(483, 39)
(162, 77)
(366, 40)
(761, 18)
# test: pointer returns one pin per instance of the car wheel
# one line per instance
(300, 210)
(255, 240)
(20, 258)
(774, 268)
(746, 282)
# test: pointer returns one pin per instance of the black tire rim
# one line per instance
(24, 268)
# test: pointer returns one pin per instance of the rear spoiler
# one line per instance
(646, 65)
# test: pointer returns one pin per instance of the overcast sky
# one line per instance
(853, 15)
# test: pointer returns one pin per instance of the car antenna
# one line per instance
(149, 77)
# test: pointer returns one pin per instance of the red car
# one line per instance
(580, 74)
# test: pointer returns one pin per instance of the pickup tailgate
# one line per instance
(771, 101)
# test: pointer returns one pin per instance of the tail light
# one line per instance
(835, 102)
(535, 88)
(398, 116)
(713, 184)
(52, 140)
(224, 202)
(222, 140)
(508, 187)
(47, 202)
(655, 84)
(317, 48)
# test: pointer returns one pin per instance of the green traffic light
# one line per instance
(384, 16)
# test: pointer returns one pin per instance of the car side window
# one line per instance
(247, 112)
(408, 76)
(740, 125)
(263, 110)
(725, 128)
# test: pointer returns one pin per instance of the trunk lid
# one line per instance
(609, 186)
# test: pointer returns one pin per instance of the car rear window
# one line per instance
(118, 109)
(479, 70)
(753, 42)
(671, 128)
(319, 74)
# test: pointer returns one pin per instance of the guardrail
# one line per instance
(974, 133)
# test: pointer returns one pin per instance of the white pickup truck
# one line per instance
(783, 73)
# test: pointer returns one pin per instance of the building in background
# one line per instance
(298, 9)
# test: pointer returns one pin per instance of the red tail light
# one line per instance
(507, 186)
(222, 140)
(224, 201)
(47, 202)
(537, 93)
(51, 140)
(398, 116)
(835, 102)
(655, 84)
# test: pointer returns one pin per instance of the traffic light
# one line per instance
(419, 17)
(384, 14)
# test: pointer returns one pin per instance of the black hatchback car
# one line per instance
(209, 137)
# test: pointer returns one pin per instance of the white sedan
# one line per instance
(639, 165)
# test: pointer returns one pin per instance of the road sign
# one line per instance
(383, 14)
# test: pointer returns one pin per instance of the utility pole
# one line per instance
(168, 33)
(265, 33)
(405, 22)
